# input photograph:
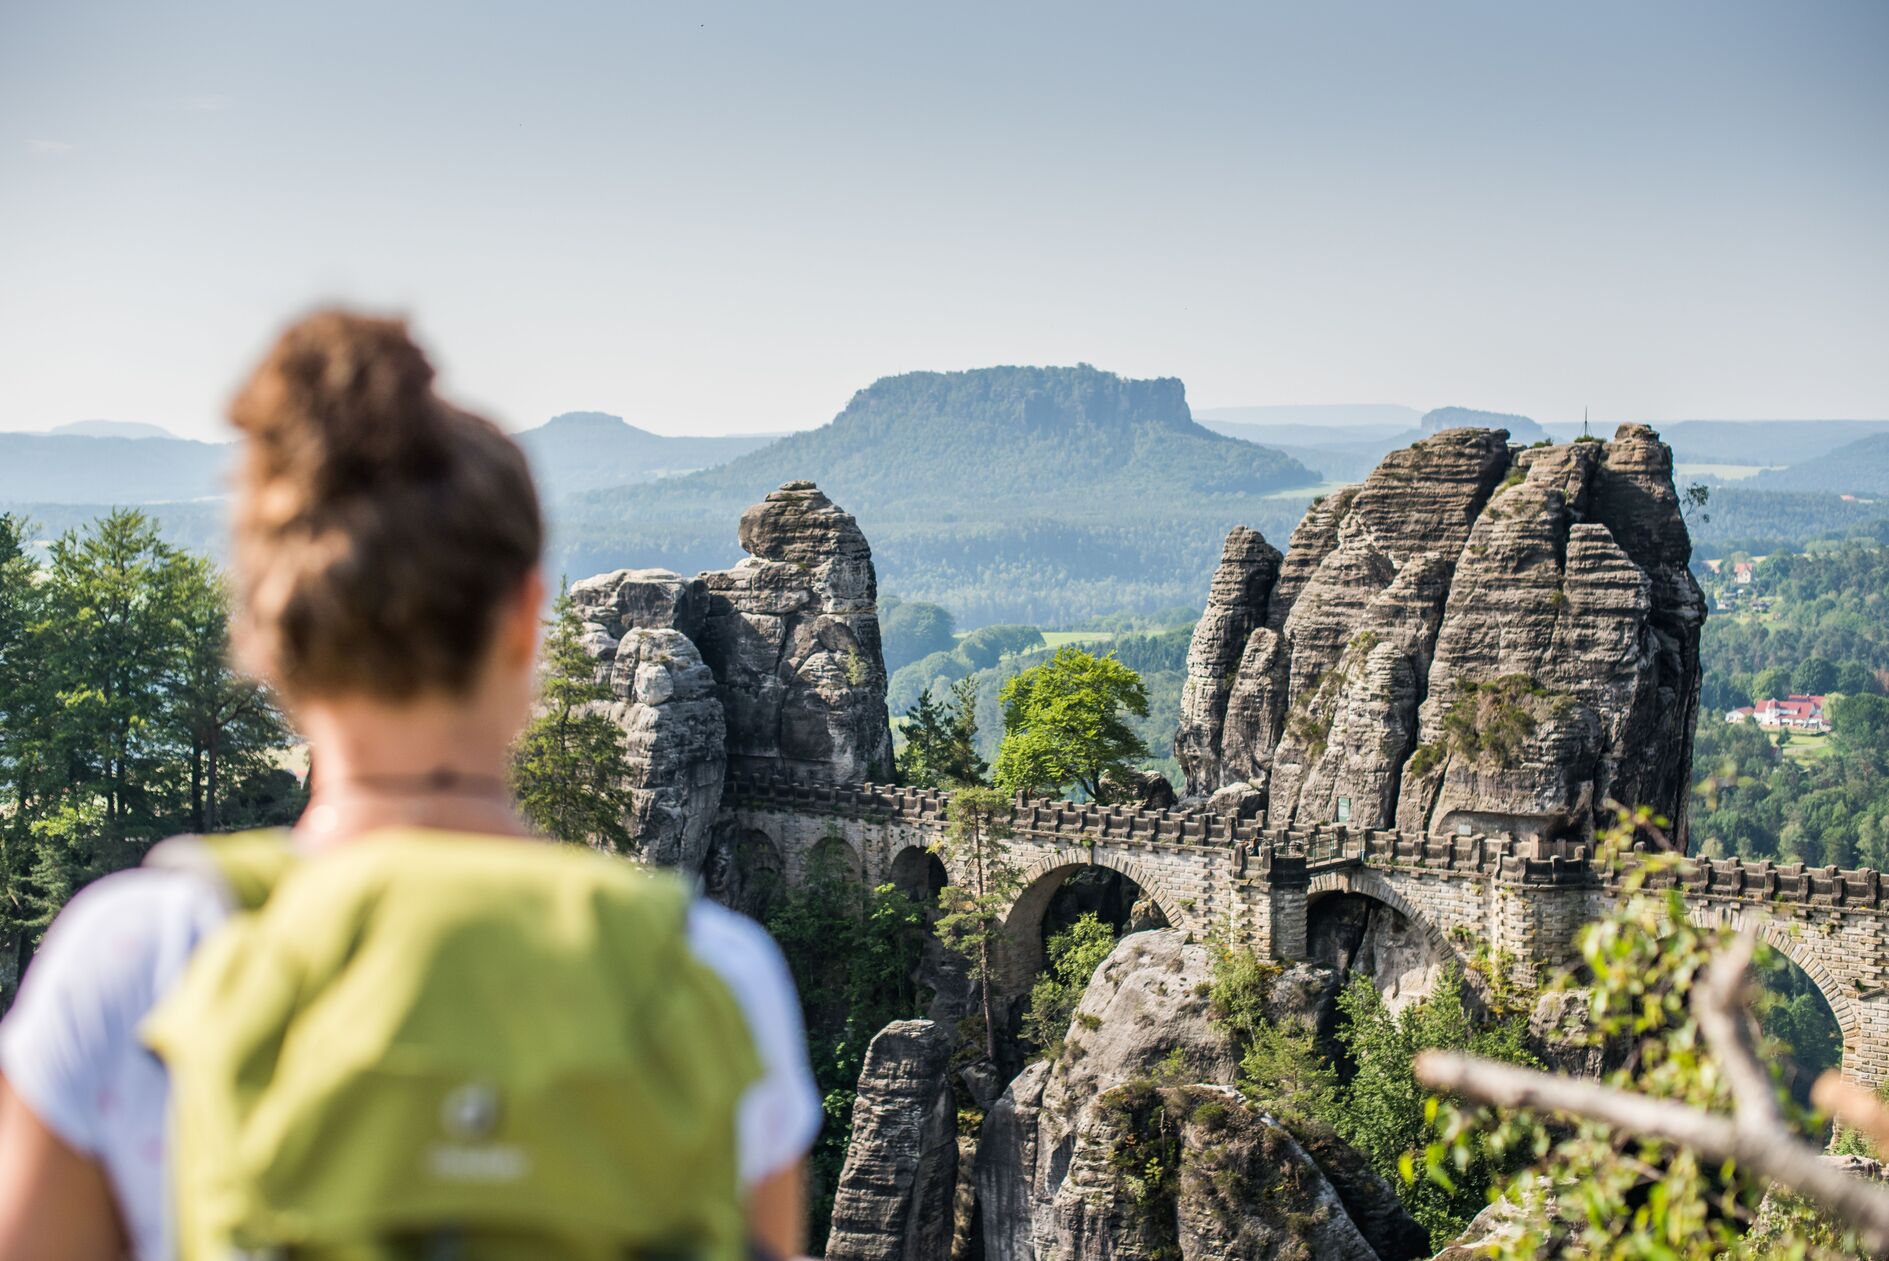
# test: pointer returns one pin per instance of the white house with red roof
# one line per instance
(1793, 713)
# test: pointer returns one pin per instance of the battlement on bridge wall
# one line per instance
(1277, 849)
(1324, 846)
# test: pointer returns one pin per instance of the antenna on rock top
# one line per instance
(1584, 432)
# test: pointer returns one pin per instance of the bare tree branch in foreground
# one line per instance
(1754, 1135)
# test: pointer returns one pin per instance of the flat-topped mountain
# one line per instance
(995, 440)
(1007, 493)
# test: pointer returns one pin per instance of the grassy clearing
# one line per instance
(1805, 746)
(1062, 639)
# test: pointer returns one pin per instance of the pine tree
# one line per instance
(226, 725)
(570, 770)
(25, 704)
(112, 639)
(941, 740)
(975, 847)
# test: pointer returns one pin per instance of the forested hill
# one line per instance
(1859, 468)
(1007, 494)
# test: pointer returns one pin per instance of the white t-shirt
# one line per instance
(69, 1047)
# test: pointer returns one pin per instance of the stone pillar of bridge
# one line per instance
(1866, 1040)
(1276, 888)
(1536, 907)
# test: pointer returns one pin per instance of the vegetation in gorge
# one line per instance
(570, 770)
(854, 952)
(974, 905)
(1071, 958)
(1363, 1089)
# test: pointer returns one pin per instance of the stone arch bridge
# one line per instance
(1212, 872)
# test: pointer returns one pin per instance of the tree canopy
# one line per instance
(570, 770)
(1065, 723)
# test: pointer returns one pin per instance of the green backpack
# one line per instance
(436, 1045)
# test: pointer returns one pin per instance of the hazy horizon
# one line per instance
(724, 219)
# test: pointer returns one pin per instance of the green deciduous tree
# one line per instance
(1814, 676)
(1065, 724)
(941, 740)
(975, 850)
(570, 769)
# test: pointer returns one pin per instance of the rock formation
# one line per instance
(635, 624)
(772, 666)
(895, 1196)
(1478, 636)
(1063, 1161)
(792, 633)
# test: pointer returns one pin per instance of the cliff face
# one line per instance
(772, 666)
(1477, 635)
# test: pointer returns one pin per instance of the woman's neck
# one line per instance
(430, 763)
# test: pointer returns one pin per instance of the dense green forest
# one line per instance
(1765, 521)
(1819, 624)
(120, 719)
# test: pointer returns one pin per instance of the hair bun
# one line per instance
(342, 403)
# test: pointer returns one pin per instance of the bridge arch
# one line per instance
(1395, 977)
(1363, 882)
(917, 873)
(833, 852)
(1040, 880)
(1778, 935)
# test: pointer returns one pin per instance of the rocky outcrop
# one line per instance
(1479, 636)
(1149, 790)
(895, 1196)
(1131, 1143)
(673, 736)
(636, 624)
(1236, 606)
(792, 633)
(773, 666)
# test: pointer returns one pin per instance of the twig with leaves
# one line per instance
(1755, 1135)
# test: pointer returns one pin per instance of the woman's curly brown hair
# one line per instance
(378, 528)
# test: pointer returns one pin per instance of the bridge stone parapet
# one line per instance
(1214, 873)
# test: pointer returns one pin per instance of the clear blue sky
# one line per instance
(722, 217)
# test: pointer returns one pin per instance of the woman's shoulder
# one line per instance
(109, 956)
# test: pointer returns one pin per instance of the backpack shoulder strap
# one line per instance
(244, 866)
